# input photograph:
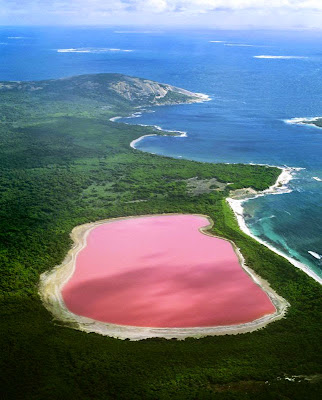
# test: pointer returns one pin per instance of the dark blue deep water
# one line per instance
(244, 121)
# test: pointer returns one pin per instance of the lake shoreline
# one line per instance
(52, 282)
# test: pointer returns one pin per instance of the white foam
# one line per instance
(241, 45)
(315, 255)
(92, 50)
(281, 57)
(264, 218)
(279, 187)
(217, 41)
(316, 178)
(17, 37)
(203, 97)
(303, 121)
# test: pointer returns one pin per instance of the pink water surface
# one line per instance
(161, 271)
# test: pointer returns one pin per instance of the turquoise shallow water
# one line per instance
(244, 121)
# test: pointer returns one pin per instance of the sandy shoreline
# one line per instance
(136, 141)
(52, 282)
(279, 187)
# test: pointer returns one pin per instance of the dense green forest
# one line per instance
(63, 163)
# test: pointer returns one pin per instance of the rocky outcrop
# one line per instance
(111, 87)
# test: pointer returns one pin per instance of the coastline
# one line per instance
(136, 141)
(306, 121)
(280, 187)
(199, 98)
(52, 282)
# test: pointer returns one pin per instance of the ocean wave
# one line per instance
(217, 41)
(242, 45)
(17, 37)
(92, 50)
(281, 57)
(264, 218)
(315, 255)
(316, 178)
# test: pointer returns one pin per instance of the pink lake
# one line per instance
(161, 271)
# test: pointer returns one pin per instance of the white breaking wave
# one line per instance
(217, 41)
(303, 121)
(92, 50)
(242, 45)
(316, 178)
(203, 97)
(281, 57)
(264, 218)
(315, 255)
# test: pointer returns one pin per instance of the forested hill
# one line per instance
(113, 89)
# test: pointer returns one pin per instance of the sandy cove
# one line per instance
(52, 282)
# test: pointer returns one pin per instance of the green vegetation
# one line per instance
(63, 163)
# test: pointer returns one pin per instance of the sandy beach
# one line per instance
(52, 282)
(136, 141)
(280, 187)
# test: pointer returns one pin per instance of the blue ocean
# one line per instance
(256, 81)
